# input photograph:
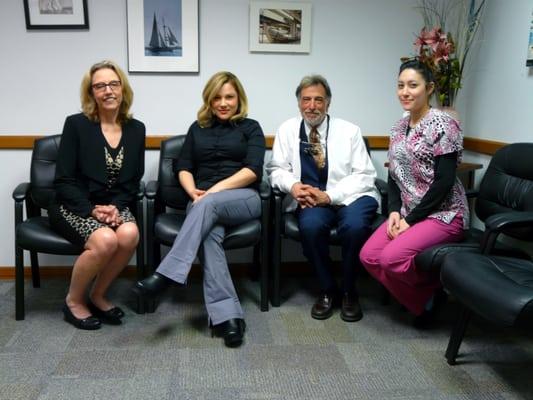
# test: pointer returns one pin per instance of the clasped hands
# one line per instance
(309, 196)
(396, 225)
(107, 214)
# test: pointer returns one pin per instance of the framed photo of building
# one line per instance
(56, 14)
(280, 26)
(162, 35)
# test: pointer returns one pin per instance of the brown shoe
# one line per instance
(323, 307)
(350, 308)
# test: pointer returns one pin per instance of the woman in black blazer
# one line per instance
(99, 167)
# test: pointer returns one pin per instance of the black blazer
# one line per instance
(81, 173)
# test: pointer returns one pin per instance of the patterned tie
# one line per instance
(316, 148)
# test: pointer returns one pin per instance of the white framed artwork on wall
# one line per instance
(280, 26)
(162, 35)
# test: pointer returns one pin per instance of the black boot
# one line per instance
(152, 286)
(231, 330)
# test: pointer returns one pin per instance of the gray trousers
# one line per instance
(202, 234)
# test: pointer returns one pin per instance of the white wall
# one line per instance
(499, 86)
(356, 44)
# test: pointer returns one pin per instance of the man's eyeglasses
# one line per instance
(100, 87)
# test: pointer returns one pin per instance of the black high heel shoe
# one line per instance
(152, 286)
(90, 323)
(112, 316)
(231, 330)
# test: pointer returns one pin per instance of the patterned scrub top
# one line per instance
(412, 163)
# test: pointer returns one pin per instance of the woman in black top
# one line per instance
(99, 167)
(220, 166)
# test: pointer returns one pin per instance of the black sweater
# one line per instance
(81, 172)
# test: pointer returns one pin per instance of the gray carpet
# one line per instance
(287, 355)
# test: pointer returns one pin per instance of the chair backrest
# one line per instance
(43, 170)
(508, 185)
(170, 192)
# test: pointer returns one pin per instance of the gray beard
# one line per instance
(315, 123)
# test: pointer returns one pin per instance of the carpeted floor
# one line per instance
(287, 355)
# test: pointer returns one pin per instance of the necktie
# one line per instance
(316, 148)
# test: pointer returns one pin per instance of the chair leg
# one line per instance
(255, 270)
(154, 255)
(457, 334)
(276, 261)
(35, 274)
(262, 250)
(19, 283)
(384, 296)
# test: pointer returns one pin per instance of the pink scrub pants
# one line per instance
(392, 261)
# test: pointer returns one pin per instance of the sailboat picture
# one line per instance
(162, 28)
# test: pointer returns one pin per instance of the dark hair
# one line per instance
(419, 67)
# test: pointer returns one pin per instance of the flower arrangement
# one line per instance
(446, 53)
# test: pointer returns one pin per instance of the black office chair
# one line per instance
(498, 192)
(498, 288)
(34, 233)
(285, 226)
(163, 226)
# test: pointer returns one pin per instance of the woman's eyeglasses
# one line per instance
(101, 86)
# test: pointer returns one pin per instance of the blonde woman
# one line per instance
(220, 168)
(99, 167)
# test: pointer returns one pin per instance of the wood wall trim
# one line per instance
(153, 142)
(482, 146)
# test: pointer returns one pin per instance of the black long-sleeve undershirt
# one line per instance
(445, 172)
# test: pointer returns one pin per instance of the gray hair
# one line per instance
(312, 80)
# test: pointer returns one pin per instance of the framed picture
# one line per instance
(163, 35)
(56, 14)
(280, 26)
(529, 61)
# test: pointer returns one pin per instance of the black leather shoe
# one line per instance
(90, 323)
(231, 330)
(112, 316)
(152, 286)
(350, 308)
(323, 307)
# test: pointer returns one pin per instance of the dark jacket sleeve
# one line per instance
(70, 192)
(126, 191)
(394, 198)
(255, 152)
(445, 172)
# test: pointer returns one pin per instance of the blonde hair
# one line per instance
(205, 114)
(88, 103)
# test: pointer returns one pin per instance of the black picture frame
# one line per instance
(37, 17)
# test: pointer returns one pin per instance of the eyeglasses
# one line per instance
(101, 86)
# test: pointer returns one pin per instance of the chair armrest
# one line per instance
(382, 187)
(278, 193)
(151, 188)
(516, 219)
(498, 223)
(472, 193)
(264, 190)
(140, 192)
(21, 191)
(383, 190)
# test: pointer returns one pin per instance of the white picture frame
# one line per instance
(174, 48)
(280, 26)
